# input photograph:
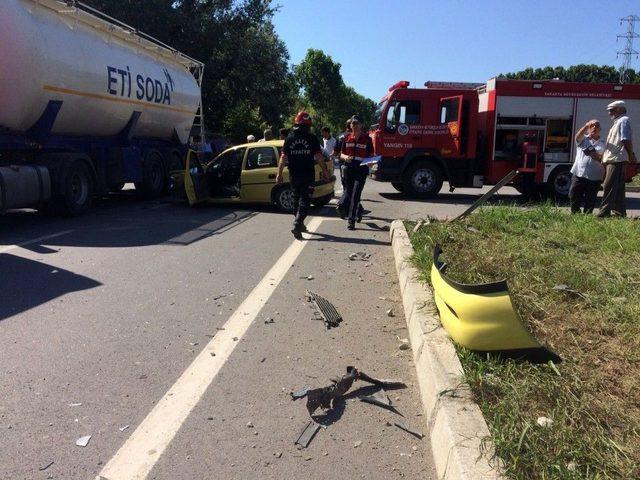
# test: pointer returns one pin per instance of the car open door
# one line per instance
(450, 144)
(196, 185)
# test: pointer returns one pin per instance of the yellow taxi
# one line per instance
(245, 174)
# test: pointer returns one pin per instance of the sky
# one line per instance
(380, 42)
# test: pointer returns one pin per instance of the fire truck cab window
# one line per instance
(449, 110)
(406, 111)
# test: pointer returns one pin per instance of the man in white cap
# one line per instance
(617, 153)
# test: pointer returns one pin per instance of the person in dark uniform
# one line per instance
(356, 147)
(301, 151)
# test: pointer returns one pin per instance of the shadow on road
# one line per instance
(33, 283)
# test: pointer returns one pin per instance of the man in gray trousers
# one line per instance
(617, 154)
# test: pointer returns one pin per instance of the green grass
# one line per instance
(593, 396)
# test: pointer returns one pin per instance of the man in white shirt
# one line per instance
(328, 142)
(617, 153)
(587, 170)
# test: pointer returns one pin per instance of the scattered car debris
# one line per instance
(410, 431)
(404, 343)
(222, 296)
(329, 313)
(249, 425)
(304, 439)
(300, 393)
(544, 422)
(78, 404)
(364, 256)
(122, 429)
(325, 396)
(565, 288)
(418, 225)
(44, 467)
(278, 454)
(378, 398)
(310, 277)
(357, 443)
(390, 313)
(83, 441)
(269, 320)
(473, 229)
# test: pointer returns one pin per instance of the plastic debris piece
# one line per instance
(122, 429)
(44, 467)
(544, 421)
(390, 313)
(310, 277)
(418, 225)
(404, 343)
(357, 443)
(304, 439)
(83, 441)
(364, 256)
(410, 431)
(75, 404)
(331, 316)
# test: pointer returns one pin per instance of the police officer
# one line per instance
(356, 147)
(301, 151)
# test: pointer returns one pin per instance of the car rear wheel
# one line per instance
(423, 179)
(283, 198)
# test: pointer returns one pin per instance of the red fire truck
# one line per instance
(474, 134)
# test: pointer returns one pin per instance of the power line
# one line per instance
(628, 50)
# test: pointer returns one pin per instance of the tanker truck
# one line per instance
(87, 104)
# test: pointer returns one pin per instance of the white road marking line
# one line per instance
(35, 240)
(143, 448)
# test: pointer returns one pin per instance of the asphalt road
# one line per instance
(173, 337)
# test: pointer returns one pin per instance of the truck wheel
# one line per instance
(559, 183)
(423, 179)
(174, 163)
(78, 190)
(283, 198)
(153, 182)
(399, 186)
(321, 201)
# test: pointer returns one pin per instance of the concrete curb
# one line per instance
(456, 426)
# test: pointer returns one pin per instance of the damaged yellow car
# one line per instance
(244, 174)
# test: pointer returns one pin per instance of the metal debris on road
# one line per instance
(378, 398)
(43, 468)
(410, 431)
(270, 320)
(122, 429)
(83, 441)
(404, 343)
(329, 313)
(310, 277)
(325, 396)
(304, 439)
(357, 443)
(300, 393)
(74, 404)
(390, 313)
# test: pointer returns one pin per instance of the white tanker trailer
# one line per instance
(87, 104)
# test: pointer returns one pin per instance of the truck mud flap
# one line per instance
(481, 317)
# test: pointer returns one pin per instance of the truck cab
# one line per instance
(426, 136)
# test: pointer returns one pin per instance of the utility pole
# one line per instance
(628, 50)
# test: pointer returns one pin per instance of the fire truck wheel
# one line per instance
(423, 179)
(399, 186)
(559, 183)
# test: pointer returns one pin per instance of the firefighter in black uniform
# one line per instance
(300, 152)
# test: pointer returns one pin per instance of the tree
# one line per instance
(325, 95)
(575, 73)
